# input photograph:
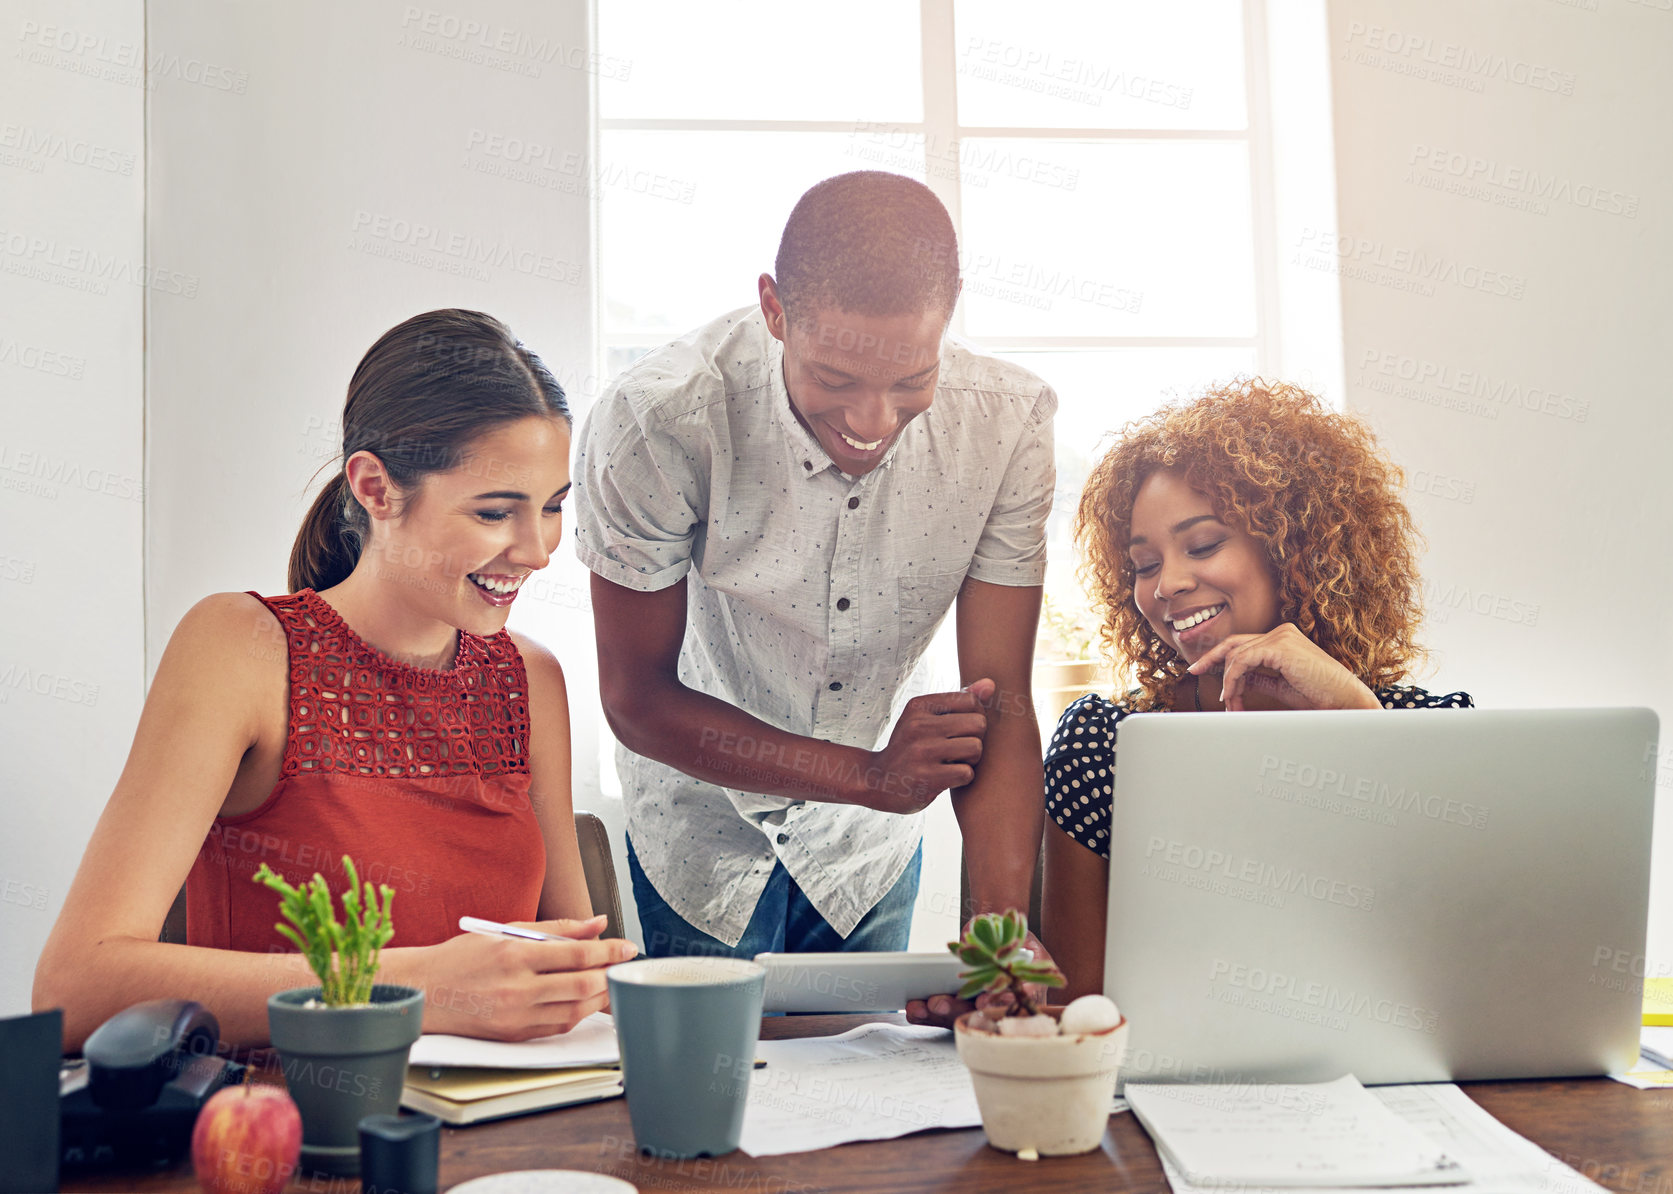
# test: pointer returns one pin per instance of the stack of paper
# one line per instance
(464, 1080)
(1656, 1044)
(1494, 1157)
(468, 1095)
(1654, 1070)
(591, 1042)
(1326, 1134)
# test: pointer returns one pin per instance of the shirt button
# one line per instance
(853, 503)
(836, 685)
(808, 465)
(783, 838)
(842, 603)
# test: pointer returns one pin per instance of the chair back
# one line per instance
(599, 866)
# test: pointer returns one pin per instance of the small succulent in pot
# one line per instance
(344, 956)
(343, 1044)
(1003, 968)
(1043, 1077)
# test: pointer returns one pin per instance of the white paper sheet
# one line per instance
(1317, 1134)
(592, 1042)
(1655, 1056)
(876, 1082)
(1499, 1161)
(1657, 1045)
(1649, 1074)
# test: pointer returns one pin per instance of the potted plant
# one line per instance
(1044, 1076)
(1066, 662)
(343, 1044)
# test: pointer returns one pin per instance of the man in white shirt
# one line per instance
(779, 509)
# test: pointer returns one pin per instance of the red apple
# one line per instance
(247, 1140)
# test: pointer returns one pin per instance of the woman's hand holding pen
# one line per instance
(508, 988)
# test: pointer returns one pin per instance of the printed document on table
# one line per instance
(1648, 1074)
(875, 1082)
(1317, 1134)
(1654, 1070)
(1499, 1161)
(592, 1042)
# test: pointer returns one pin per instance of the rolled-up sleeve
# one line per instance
(637, 497)
(1012, 549)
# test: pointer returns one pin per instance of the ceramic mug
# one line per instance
(688, 1028)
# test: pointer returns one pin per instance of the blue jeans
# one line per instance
(784, 920)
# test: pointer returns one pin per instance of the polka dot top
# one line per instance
(1080, 761)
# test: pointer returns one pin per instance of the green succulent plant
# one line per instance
(993, 949)
(344, 956)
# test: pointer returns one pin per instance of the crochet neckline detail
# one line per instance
(468, 654)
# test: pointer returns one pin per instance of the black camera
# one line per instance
(148, 1071)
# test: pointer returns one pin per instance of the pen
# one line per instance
(493, 928)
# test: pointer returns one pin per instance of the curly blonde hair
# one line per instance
(1310, 484)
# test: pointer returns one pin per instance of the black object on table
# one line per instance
(149, 1070)
(30, 1047)
(399, 1154)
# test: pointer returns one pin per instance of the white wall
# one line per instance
(336, 195)
(371, 161)
(1523, 386)
(72, 293)
(305, 177)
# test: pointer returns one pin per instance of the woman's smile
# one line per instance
(1197, 578)
(1195, 628)
(498, 589)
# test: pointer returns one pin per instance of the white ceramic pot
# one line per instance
(1050, 1094)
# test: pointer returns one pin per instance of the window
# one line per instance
(1108, 166)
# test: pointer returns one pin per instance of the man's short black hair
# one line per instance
(868, 242)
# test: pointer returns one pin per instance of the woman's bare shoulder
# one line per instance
(227, 639)
(538, 661)
(227, 609)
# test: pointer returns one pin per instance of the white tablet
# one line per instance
(856, 982)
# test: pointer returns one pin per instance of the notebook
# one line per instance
(470, 1094)
(1333, 1134)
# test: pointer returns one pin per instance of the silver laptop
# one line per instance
(1410, 896)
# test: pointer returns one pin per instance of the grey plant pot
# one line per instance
(342, 1064)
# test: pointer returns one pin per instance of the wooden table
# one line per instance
(1619, 1137)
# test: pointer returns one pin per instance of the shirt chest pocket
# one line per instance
(923, 599)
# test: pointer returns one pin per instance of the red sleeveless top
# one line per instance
(421, 776)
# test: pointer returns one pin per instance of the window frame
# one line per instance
(940, 127)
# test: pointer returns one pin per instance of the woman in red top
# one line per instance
(380, 710)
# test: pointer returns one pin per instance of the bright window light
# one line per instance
(1112, 64)
(1109, 165)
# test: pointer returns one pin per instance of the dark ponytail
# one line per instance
(327, 547)
(419, 398)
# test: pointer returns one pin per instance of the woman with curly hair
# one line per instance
(1250, 550)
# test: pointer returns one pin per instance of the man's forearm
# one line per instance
(1001, 813)
(712, 740)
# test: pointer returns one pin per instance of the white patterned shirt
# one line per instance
(811, 594)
